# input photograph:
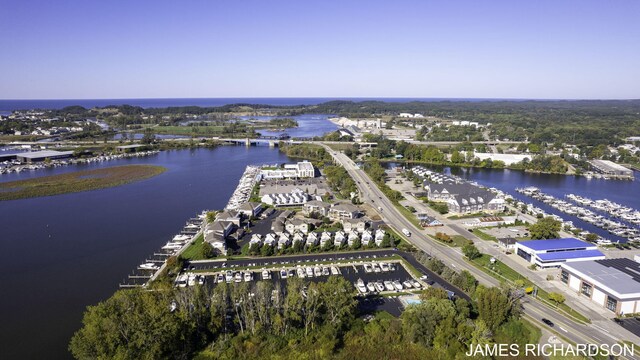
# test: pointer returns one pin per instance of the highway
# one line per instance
(453, 257)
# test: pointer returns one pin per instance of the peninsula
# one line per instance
(77, 181)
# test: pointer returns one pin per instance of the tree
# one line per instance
(557, 298)
(207, 251)
(545, 228)
(591, 237)
(471, 251)
(493, 306)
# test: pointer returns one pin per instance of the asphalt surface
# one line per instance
(575, 332)
(356, 257)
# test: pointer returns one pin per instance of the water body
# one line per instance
(6, 106)
(309, 125)
(62, 253)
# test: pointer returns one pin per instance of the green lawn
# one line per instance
(483, 235)
(194, 251)
(504, 273)
(408, 214)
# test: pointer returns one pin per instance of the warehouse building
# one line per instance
(613, 284)
(554, 252)
(612, 169)
(38, 156)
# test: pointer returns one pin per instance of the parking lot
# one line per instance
(352, 274)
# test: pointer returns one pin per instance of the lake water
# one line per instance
(62, 253)
(309, 125)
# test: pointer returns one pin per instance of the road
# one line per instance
(370, 193)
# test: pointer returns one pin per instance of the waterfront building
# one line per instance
(216, 234)
(312, 239)
(554, 252)
(250, 209)
(230, 216)
(464, 198)
(613, 284)
(39, 156)
(610, 168)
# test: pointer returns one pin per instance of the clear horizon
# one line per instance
(547, 50)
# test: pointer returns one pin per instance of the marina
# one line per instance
(610, 221)
(154, 264)
(15, 166)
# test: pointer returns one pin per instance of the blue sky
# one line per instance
(217, 48)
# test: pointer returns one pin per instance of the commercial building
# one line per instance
(554, 252)
(610, 168)
(613, 284)
(37, 156)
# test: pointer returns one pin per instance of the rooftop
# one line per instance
(556, 244)
(576, 254)
(620, 275)
(44, 153)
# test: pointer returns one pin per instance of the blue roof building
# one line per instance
(554, 252)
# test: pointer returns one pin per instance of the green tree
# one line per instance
(557, 298)
(471, 251)
(545, 228)
(493, 306)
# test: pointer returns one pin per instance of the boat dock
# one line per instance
(156, 263)
(243, 191)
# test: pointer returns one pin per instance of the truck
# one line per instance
(406, 232)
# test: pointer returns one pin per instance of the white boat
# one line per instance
(379, 286)
(266, 274)
(180, 238)
(376, 267)
(384, 267)
(172, 246)
(283, 274)
(416, 284)
(309, 271)
(149, 266)
(248, 276)
(388, 285)
(408, 284)
(335, 270)
(300, 272)
(220, 278)
(237, 277)
(371, 287)
(325, 271)
(361, 287)
(191, 280)
(181, 281)
(317, 271)
(367, 268)
(228, 276)
(397, 285)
